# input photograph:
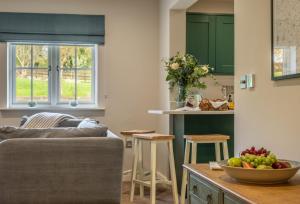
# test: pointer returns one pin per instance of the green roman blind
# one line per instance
(52, 27)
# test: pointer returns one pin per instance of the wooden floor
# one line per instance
(163, 195)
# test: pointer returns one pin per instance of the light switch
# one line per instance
(250, 81)
(243, 82)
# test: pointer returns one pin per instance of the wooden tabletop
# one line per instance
(189, 112)
(288, 193)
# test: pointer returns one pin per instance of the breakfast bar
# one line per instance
(194, 122)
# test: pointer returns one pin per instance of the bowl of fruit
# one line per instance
(259, 166)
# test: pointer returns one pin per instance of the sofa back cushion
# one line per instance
(69, 122)
(13, 132)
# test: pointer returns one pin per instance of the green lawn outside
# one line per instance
(40, 88)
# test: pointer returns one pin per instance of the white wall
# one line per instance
(213, 6)
(268, 115)
(129, 59)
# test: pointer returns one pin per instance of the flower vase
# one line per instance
(181, 97)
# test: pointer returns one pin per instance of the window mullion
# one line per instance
(12, 70)
(55, 75)
(50, 75)
(94, 75)
(31, 72)
(75, 73)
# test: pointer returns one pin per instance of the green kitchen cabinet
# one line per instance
(224, 44)
(210, 38)
(201, 31)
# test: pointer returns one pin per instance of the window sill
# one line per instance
(52, 108)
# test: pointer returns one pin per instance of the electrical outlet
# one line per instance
(243, 82)
(128, 144)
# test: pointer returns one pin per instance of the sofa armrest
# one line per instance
(71, 170)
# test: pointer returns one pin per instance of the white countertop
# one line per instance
(190, 112)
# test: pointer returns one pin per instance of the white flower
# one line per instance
(205, 69)
(175, 66)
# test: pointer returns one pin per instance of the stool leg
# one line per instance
(153, 173)
(184, 176)
(225, 150)
(140, 167)
(173, 172)
(217, 151)
(134, 169)
(124, 142)
(194, 152)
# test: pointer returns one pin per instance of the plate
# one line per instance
(257, 176)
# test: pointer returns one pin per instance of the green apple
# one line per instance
(234, 162)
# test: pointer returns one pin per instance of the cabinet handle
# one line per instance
(195, 189)
(209, 198)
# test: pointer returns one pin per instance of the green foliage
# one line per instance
(23, 89)
(39, 55)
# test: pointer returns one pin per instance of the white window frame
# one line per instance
(53, 77)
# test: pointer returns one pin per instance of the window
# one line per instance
(52, 74)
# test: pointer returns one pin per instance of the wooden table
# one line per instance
(243, 193)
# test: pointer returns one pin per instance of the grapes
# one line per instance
(259, 159)
(262, 151)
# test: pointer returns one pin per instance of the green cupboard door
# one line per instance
(225, 45)
(201, 38)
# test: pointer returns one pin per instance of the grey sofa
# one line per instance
(81, 170)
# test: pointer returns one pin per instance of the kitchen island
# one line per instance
(198, 122)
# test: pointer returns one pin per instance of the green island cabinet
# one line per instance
(203, 191)
(210, 38)
(196, 123)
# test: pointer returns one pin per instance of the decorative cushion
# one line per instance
(65, 123)
(23, 120)
(70, 123)
(88, 123)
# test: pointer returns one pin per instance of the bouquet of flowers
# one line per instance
(186, 72)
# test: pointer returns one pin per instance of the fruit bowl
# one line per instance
(264, 176)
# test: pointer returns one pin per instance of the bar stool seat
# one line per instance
(209, 138)
(154, 136)
(130, 133)
(153, 139)
(193, 140)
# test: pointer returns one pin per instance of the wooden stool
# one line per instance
(153, 139)
(201, 139)
(128, 135)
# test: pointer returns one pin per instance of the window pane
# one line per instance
(23, 56)
(84, 57)
(23, 88)
(40, 85)
(40, 56)
(67, 85)
(67, 56)
(84, 85)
